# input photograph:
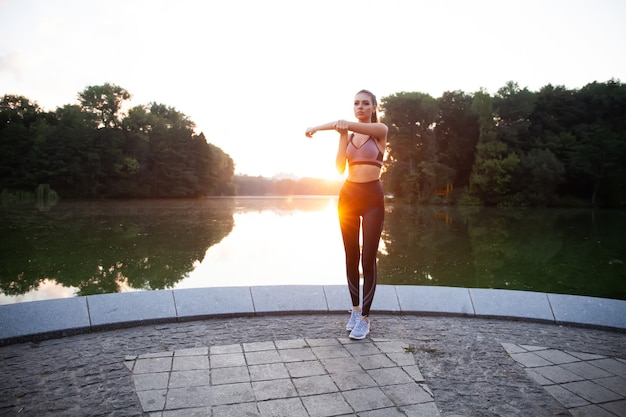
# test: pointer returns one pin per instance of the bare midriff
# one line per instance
(363, 173)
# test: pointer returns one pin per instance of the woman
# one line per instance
(361, 201)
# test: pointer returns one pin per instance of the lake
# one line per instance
(94, 247)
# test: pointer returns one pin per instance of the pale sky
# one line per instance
(254, 74)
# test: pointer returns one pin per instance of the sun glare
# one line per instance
(291, 257)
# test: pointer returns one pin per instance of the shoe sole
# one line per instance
(359, 338)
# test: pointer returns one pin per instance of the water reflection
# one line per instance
(107, 247)
(103, 247)
(561, 251)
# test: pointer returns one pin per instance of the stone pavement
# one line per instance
(586, 384)
(284, 351)
(472, 367)
(295, 378)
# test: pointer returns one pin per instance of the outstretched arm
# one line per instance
(326, 126)
(377, 130)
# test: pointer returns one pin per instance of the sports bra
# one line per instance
(368, 153)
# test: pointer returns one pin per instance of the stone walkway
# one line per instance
(586, 384)
(295, 378)
(410, 365)
(283, 350)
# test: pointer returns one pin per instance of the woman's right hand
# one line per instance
(309, 132)
(341, 126)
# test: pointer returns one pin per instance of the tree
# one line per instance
(600, 149)
(513, 107)
(457, 135)
(494, 166)
(537, 177)
(104, 102)
(411, 118)
(20, 124)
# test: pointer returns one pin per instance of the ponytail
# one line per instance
(374, 118)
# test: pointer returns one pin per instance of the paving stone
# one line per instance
(557, 374)
(556, 356)
(328, 352)
(282, 407)
(361, 349)
(513, 348)
(232, 410)
(199, 351)
(296, 355)
(268, 371)
(539, 378)
(530, 360)
(233, 393)
(616, 407)
(422, 410)
(227, 360)
(610, 365)
(566, 397)
(592, 392)
(153, 365)
(341, 365)
(278, 388)
(590, 411)
(262, 357)
(145, 382)
(616, 384)
(305, 368)
(414, 372)
(383, 412)
(332, 404)
(313, 385)
(586, 370)
(220, 376)
(152, 400)
(402, 359)
(407, 394)
(258, 346)
(291, 344)
(390, 376)
(189, 397)
(352, 380)
(375, 362)
(188, 412)
(323, 342)
(585, 356)
(187, 363)
(367, 399)
(220, 350)
(200, 377)
(204, 412)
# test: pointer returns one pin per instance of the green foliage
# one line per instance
(515, 148)
(92, 150)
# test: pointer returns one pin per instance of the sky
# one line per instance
(253, 75)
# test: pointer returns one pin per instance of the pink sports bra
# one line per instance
(368, 153)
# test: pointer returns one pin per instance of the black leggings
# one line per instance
(361, 204)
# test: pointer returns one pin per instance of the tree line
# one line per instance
(93, 150)
(262, 186)
(553, 147)
(557, 146)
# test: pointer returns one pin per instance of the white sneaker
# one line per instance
(354, 317)
(361, 329)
